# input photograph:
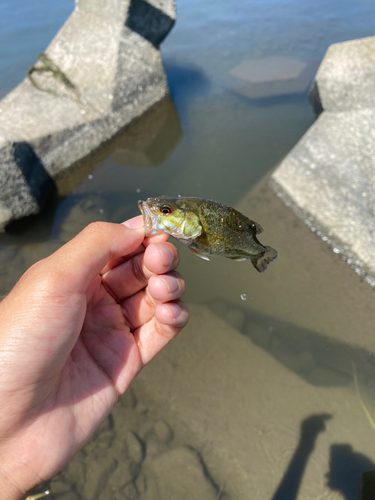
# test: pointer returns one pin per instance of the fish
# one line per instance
(208, 228)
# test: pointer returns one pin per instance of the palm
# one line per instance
(73, 403)
(105, 354)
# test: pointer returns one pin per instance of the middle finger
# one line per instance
(140, 307)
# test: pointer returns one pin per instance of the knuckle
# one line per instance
(165, 331)
(97, 227)
(126, 314)
(150, 302)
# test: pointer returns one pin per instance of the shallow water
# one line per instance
(255, 399)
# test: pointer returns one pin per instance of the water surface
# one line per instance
(255, 399)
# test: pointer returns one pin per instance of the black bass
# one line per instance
(207, 228)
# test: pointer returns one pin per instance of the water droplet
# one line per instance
(364, 195)
(243, 296)
(90, 177)
(101, 210)
(324, 238)
(137, 190)
(336, 250)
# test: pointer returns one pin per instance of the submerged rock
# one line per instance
(271, 77)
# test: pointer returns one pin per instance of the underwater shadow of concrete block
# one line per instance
(100, 73)
(318, 359)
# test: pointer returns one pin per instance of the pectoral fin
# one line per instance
(201, 255)
(238, 259)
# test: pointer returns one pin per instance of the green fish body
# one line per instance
(207, 228)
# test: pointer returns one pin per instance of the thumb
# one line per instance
(82, 258)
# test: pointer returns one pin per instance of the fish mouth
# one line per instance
(150, 220)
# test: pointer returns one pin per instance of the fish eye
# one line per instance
(165, 210)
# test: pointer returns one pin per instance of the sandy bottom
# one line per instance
(255, 398)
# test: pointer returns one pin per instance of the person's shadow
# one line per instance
(346, 469)
(346, 466)
(310, 429)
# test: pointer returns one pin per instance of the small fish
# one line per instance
(207, 228)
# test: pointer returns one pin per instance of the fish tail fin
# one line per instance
(261, 263)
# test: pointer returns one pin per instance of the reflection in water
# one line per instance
(319, 360)
(147, 142)
(310, 429)
(150, 141)
(346, 468)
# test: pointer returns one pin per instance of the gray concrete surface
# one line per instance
(103, 70)
(329, 176)
(345, 79)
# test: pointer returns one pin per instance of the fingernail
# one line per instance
(134, 223)
(171, 284)
(166, 254)
(174, 310)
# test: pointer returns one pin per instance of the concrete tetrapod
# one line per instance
(102, 70)
(329, 176)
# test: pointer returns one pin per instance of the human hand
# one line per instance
(74, 332)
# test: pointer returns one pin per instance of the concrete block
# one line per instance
(270, 77)
(329, 179)
(346, 77)
(101, 72)
(329, 176)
